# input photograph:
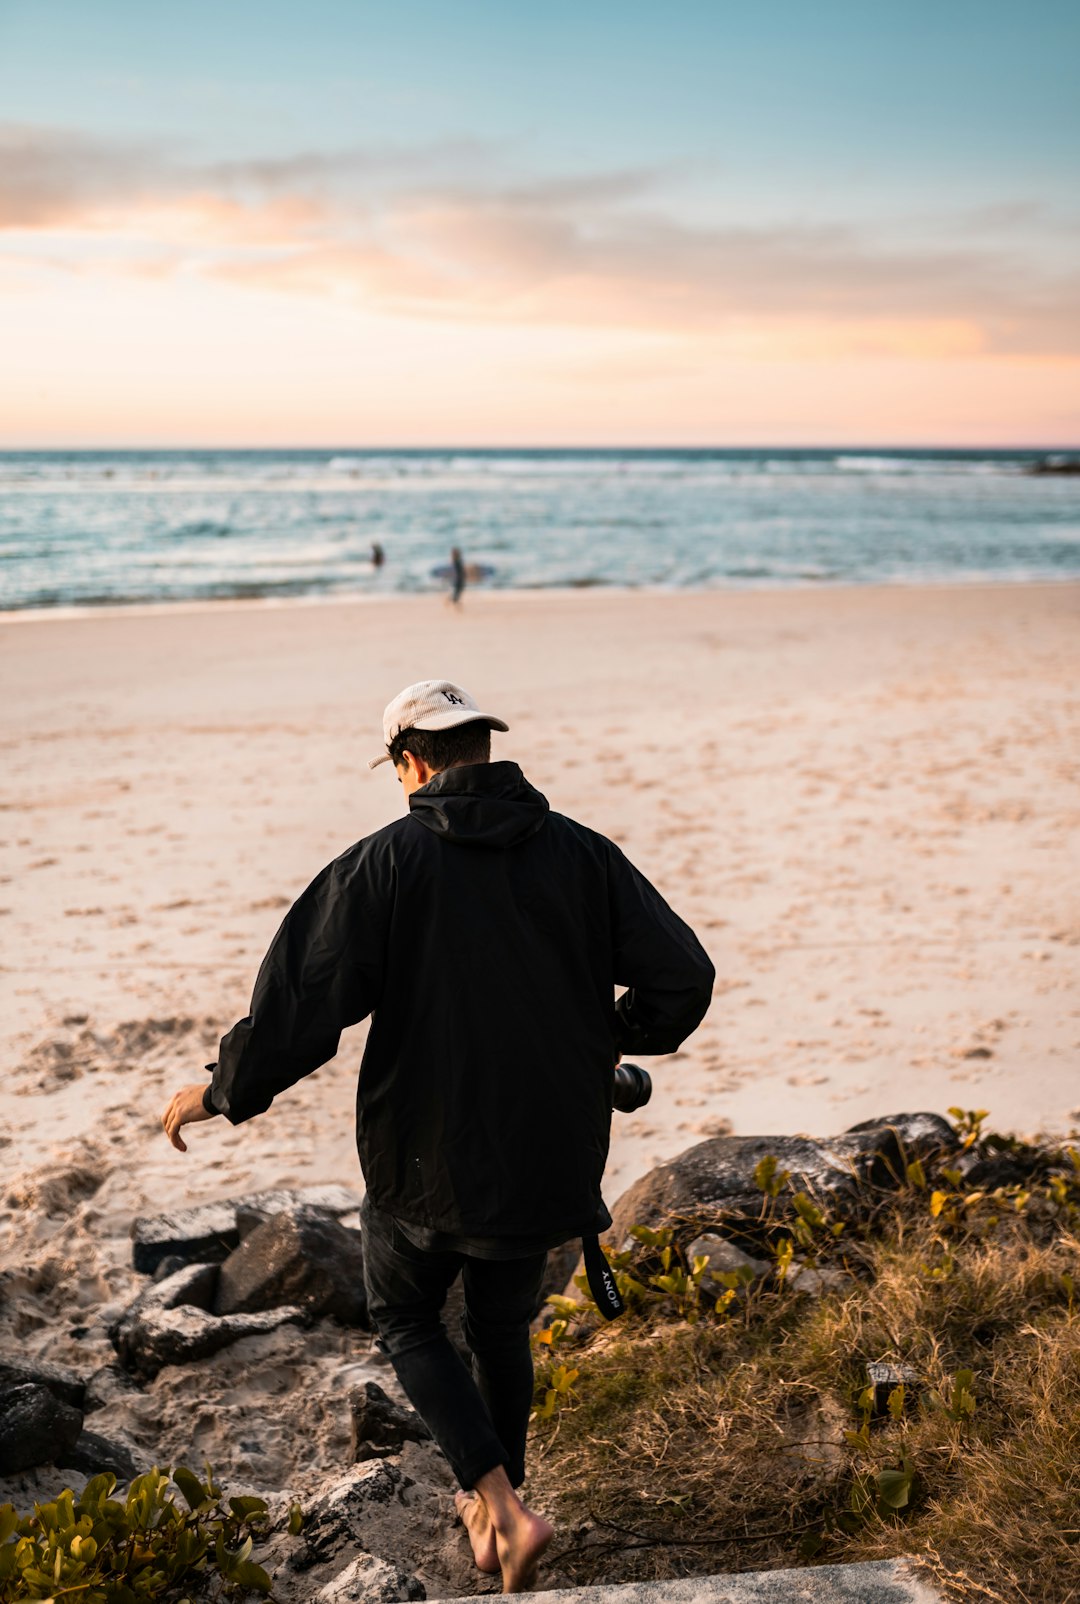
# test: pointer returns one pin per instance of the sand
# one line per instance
(863, 800)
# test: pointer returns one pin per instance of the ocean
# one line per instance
(85, 529)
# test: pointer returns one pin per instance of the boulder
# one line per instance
(350, 1512)
(379, 1425)
(91, 1453)
(170, 1323)
(61, 1382)
(717, 1177)
(36, 1427)
(300, 1258)
(724, 1257)
(209, 1232)
(370, 1580)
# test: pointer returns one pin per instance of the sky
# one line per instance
(498, 223)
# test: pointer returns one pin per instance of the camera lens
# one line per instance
(633, 1088)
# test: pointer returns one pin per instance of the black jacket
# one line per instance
(486, 936)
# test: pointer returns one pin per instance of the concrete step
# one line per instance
(884, 1581)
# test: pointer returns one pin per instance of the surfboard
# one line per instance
(474, 572)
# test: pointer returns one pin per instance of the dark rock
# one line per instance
(62, 1383)
(988, 1170)
(36, 1427)
(169, 1323)
(91, 1454)
(209, 1233)
(379, 1425)
(107, 1386)
(169, 1266)
(716, 1178)
(298, 1258)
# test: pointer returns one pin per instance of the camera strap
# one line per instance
(601, 1279)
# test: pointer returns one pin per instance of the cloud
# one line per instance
(444, 231)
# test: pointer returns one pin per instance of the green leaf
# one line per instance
(248, 1509)
(894, 1486)
(895, 1401)
(296, 1519)
(810, 1544)
(194, 1492)
(916, 1175)
(245, 1573)
(9, 1520)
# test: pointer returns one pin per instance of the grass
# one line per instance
(693, 1440)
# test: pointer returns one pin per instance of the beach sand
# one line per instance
(863, 800)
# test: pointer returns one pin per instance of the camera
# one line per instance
(632, 1089)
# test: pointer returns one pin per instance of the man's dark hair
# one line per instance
(442, 749)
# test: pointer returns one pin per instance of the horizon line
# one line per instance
(465, 450)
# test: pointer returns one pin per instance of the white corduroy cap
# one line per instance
(433, 704)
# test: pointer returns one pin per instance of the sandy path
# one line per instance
(864, 800)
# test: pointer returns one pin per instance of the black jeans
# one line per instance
(479, 1420)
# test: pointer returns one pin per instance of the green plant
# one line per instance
(97, 1549)
(557, 1389)
(968, 1124)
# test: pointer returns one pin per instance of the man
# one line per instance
(485, 935)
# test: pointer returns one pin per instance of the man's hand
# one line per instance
(186, 1108)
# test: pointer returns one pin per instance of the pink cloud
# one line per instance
(435, 232)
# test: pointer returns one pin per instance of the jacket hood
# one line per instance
(480, 805)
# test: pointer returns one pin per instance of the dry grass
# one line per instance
(719, 1443)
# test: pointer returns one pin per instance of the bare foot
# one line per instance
(520, 1547)
(477, 1522)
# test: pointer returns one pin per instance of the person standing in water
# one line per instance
(457, 575)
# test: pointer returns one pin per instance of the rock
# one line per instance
(717, 1176)
(209, 1232)
(36, 1427)
(91, 1454)
(813, 1281)
(299, 1258)
(985, 1171)
(169, 1323)
(379, 1425)
(884, 1377)
(109, 1386)
(724, 1257)
(61, 1382)
(169, 1266)
(349, 1510)
(369, 1580)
